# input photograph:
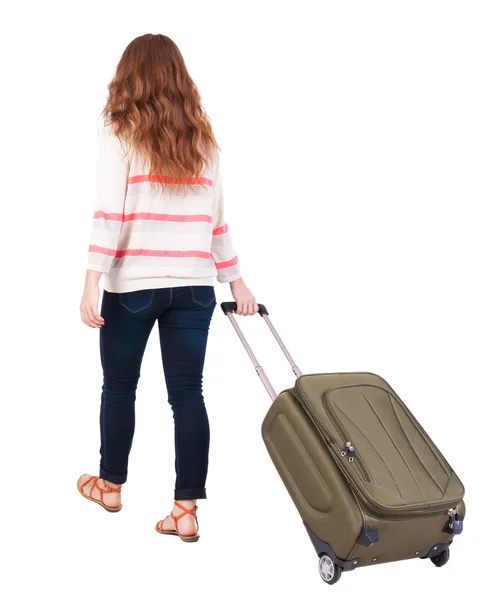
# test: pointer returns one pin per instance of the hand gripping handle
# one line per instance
(231, 307)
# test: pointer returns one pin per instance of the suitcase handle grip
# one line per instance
(231, 307)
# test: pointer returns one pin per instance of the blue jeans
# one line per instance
(183, 315)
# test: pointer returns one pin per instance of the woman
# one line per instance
(160, 238)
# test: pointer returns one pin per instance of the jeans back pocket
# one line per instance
(137, 301)
(203, 295)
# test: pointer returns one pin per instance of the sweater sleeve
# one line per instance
(223, 250)
(112, 169)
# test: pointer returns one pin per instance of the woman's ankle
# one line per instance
(186, 503)
(111, 484)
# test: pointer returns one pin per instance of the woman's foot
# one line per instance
(101, 491)
(186, 525)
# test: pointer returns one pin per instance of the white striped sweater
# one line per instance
(144, 238)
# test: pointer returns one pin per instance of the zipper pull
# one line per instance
(346, 448)
(350, 451)
(454, 525)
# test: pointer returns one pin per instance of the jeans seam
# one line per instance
(103, 405)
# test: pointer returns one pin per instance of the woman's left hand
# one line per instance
(90, 301)
(246, 304)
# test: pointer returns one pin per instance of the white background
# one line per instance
(353, 148)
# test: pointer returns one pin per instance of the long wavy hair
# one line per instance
(154, 106)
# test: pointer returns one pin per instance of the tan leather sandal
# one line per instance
(186, 511)
(105, 489)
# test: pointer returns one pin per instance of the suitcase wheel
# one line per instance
(441, 559)
(329, 571)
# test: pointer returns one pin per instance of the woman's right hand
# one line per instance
(90, 302)
(244, 299)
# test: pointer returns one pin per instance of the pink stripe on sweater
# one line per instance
(162, 217)
(99, 250)
(144, 216)
(143, 252)
(221, 230)
(163, 253)
(228, 263)
(172, 180)
(99, 214)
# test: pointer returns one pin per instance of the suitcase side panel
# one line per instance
(314, 482)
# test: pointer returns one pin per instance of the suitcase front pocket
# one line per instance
(386, 453)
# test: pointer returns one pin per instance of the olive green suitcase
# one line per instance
(369, 483)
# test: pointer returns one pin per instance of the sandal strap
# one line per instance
(86, 482)
(109, 488)
(106, 491)
(103, 491)
(186, 511)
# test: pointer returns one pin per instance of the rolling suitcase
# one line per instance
(369, 483)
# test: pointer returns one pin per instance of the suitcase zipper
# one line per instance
(348, 450)
(379, 510)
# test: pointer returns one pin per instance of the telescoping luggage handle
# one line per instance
(229, 308)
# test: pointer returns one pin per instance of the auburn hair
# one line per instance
(154, 106)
